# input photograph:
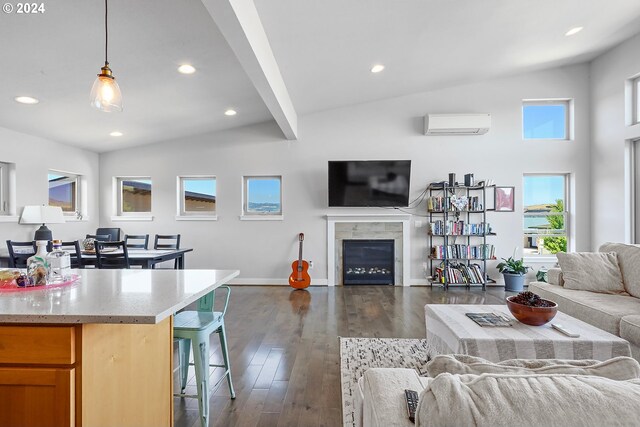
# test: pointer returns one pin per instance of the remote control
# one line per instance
(564, 331)
(412, 403)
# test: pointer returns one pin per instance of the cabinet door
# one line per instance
(37, 397)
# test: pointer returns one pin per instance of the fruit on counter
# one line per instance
(9, 275)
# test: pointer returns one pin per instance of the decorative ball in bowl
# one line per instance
(530, 309)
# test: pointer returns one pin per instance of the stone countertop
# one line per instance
(113, 296)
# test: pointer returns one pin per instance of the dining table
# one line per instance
(146, 258)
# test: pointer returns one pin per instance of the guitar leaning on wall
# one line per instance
(300, 278)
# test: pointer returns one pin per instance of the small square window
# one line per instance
(134, 195)
(63, 191)
(545, 119)
(197, 195)
(262, 196)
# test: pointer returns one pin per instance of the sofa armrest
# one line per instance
(554, 277)
(384, 401)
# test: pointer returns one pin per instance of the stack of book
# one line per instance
(458, 228)
(459, 273)
(463, 251)
(441, 204)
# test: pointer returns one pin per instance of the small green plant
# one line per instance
(512, 266)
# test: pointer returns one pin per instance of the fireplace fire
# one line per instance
(368, 262)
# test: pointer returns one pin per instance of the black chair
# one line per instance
(167, 241)
(108, 259)
(18, 257)
(101, 237)
(75, 253)
(137, 241)
(113, 233)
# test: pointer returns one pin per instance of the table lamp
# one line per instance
(42, 215)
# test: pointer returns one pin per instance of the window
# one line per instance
(636, 100)
(4, 189)
(134, 195)
(545, 214)
(262, 196)
(63, 192)
(546, 119)
(197, 196)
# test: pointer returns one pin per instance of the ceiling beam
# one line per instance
(240, 25)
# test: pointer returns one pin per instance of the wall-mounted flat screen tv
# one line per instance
(369, 183)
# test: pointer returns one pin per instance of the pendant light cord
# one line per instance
(106, 32)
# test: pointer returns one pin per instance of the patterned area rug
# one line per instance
(359, 354)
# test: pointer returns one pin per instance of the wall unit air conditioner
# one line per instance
(457, 124)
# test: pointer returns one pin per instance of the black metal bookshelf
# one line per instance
(447, 214)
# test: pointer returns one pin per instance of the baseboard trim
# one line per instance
(272, 282)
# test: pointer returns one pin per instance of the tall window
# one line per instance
(262, 196)
(63, 191)
(636, 100)
(546, 119)
(197, 195)
(134, 195)
(545, 214)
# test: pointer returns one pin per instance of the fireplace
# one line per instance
(368, 262)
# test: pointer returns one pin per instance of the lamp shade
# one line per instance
(42, 215)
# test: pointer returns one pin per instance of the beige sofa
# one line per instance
(618, 314)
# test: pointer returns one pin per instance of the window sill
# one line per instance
(74, 219)
(117, 218)
(261, 217)
(9, 218)
(543, 259)
(196, 218)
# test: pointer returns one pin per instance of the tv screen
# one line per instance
(367, 183)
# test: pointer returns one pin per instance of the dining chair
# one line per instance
(137, 241)
(119, 258)
(19, 252)
(75, 253)
(193, 330)
(112, 232)
(167, 241)
(101, 237)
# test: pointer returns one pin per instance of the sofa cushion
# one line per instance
(618, 368)
(603, 311)
(527, 400)
(629, 261)
(591, 271)
(384, 401)
(554, 277)
(630, 329)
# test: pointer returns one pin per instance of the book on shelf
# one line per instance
(443, 203)
(485, 251)
(459, 273)
(458, 228)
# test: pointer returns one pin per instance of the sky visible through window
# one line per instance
(544, 121)
(541, 189)
(264, 190)
(200, 186)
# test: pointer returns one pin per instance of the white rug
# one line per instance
(359, 354)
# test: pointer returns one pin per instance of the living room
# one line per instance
(276, 92)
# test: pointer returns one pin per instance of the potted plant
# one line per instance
(513, 271)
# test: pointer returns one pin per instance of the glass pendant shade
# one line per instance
(105, 94)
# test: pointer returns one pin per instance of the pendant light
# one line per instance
(105, 93)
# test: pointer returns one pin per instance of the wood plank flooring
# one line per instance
(284, 348)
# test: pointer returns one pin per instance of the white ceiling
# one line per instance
(324, 50)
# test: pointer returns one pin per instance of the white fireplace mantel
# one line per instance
(332, 219)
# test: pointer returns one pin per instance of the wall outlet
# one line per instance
(310, 265)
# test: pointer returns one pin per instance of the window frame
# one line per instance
(77, 196)
(4, 189)
(182, 213)
(119, 180)
(635, 90)
(568, 117)
(566, 214)
(246, 215)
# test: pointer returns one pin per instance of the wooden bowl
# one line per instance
(534, 316)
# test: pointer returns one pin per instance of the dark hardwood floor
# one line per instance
(284, 348)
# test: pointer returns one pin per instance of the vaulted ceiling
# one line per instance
(322, 49)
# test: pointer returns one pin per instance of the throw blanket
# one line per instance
(490, 400)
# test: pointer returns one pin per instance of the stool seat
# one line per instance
(197, 320)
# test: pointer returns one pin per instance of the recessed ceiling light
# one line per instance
(377, 68)
(574, 30)
(116, 133)
(186, 69)
(230, 112)
(26, 100)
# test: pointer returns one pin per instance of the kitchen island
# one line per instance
(98, 352)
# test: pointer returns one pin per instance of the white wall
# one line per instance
(33, 158)
(390, 129)
(609, 132)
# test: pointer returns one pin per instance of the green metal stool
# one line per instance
(194, 328)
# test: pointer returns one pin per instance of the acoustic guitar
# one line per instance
(300, 278)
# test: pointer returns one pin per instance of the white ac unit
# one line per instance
(457, 124)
